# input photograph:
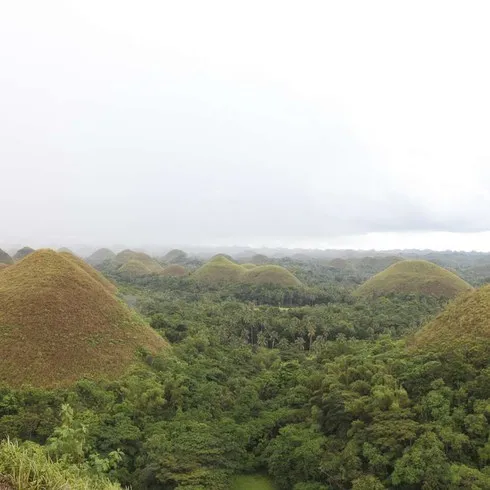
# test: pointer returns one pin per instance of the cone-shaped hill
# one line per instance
(134, 268)
(94, 274)
(414, 277)
(271, 274)
(151, 264)
(100, 256)
(23, 252)
(221, 270)
(465, 321)
(5, 258)
(174, 270)
(58, 323)
(175, 256)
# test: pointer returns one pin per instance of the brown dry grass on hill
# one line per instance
(90, 271)
(465, 321)
(414, 277)
(58, 324)
(126, 255)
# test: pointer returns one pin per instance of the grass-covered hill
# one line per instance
(5, 258)
(271, 274)
(100, 256)
(134, 268)
(175, 256)
(3, 266)
(466, 320)
(414, 277)
(249, 266)
(174, 270)
(90, 271)
(23, 252)
(59, 323)
(220, 269)
(151, 264)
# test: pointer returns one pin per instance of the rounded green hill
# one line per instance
(5, 258)
(134, 268)
(249, 266)
(219, 269)
(23, 252)
(414, 277)
(271, 274)
(100, 256)
(175, 256)
(59, 324)
(465, 321)
(151, 264)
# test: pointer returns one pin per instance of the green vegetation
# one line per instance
(5, 258)
(100, 256)
(23, 252)
(174, 270)
(59, 323)
(270, 274)
(266, 386)
(219, 269)
(248, 266)
(414, 277)
(252, 483)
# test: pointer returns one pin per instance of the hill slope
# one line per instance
(5, 258)
(271, 274)
(23, 252)
(174, 270)
(151, 264)
(100, 256)
(58, 324)
(465, 320)
(219, 269)
(414, 277)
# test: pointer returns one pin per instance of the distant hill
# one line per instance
(414, 277)
(59, 323)
(175, 256)
(5, 258)
(65, 249)
(260, 259)
(134, 268)
(23, 252)
(174, 270)
(151, 264)
(270, 274)
(465, 321)
(100, 256)
(220, 270)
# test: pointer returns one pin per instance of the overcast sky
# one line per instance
(312, 123)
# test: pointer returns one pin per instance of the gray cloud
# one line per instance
(113, 130)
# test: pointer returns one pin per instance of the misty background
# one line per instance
(283, 124)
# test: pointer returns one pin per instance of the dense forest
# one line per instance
(264, 386)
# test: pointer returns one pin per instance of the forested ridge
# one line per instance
(304, 388)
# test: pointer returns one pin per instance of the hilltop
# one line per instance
(94, 274)
(134, 268)
(414, 277)
(100, 256)
(5, 258)
(220, 269)
(23, 252)
(464, 321)
(175, 256)
(271, 274)
(151, 264)
(59, 323)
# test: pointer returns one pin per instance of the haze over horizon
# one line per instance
(346, 125)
